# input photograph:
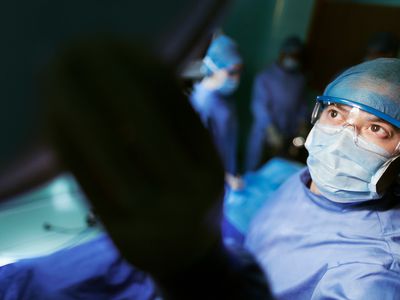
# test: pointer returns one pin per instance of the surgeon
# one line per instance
(332, 231)
(278, 104)
(213, 101)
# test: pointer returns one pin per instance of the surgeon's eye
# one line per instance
(333, 113)
(379, 131)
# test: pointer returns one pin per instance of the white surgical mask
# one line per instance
(345, 171)
(290, 64)
(228, 86)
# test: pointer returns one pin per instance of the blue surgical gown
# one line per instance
(312, 248)
(278, 100)
(93, 270)
(218, 114)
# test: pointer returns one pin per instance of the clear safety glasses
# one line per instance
(333, 116)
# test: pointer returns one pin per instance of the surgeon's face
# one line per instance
(232, 73)
(225, 80)
(348, 153)
(366, 125)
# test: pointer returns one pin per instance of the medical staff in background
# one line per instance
(332, 231)
(213, 100)
(278, 104)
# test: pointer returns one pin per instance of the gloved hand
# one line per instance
(274, 138)
(235, 182)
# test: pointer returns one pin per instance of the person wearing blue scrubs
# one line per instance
(213, 101)
(332, 231)
(278, 104)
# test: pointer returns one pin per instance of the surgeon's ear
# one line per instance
(389, 176)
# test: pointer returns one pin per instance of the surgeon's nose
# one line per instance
(351, 126)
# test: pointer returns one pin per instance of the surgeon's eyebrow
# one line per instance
(341, 107)
(372, 118)
(376, 119)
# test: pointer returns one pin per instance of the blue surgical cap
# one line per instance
(373, 86)
(223, 53)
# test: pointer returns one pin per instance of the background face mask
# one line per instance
(343, 171)
(228, 86)
(290, 64)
